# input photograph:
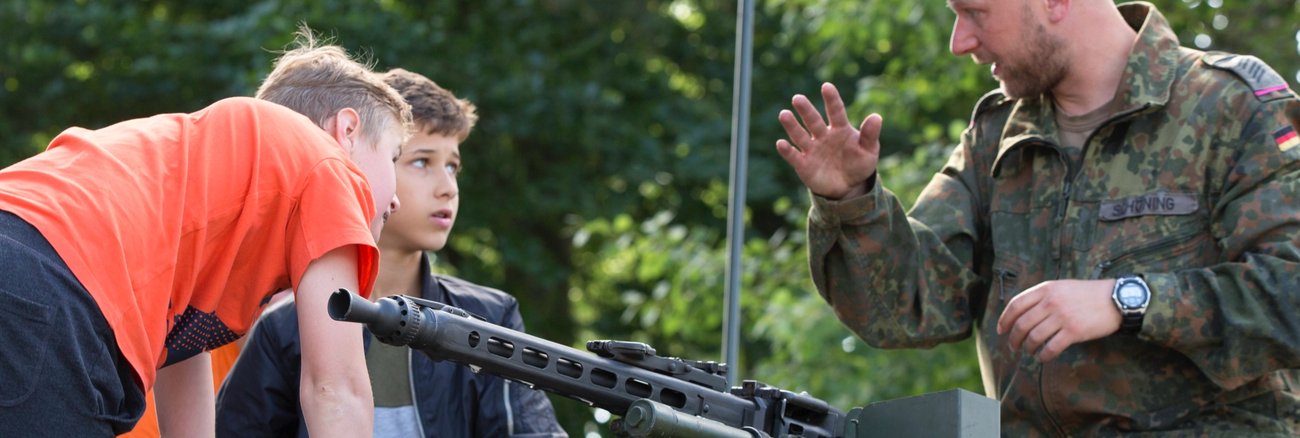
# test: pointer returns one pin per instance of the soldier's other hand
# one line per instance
(833, 158)
(1051, 316)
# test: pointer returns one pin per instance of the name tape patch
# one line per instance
(1158, 203)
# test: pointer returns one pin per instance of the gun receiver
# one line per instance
(656, 396)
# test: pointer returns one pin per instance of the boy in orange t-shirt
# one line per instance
(413, 395)
(132, 250)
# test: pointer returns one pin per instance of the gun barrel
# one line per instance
(647, 418)
(448, 333)
(395, 322)
(346, 306)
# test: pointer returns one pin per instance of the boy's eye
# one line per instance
(453, 169)
(420, 163)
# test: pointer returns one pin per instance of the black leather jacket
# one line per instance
(260, 395)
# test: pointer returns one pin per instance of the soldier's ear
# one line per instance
(1057, 10)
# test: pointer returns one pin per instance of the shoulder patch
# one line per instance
(1262, 79)
(989, 101)
(1286, 138)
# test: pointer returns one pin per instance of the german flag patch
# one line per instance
(1286, 138)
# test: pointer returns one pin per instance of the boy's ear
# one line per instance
(345, 127)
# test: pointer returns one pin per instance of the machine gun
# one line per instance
(655, 396)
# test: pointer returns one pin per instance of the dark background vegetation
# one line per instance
(595, 186)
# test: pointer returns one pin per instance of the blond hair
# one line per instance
(318, 79)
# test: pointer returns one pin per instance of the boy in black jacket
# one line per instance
(414, 396)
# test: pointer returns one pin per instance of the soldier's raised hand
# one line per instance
(833, 158)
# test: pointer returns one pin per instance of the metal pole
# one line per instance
(736, 206)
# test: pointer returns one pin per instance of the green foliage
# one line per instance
(595, 186)
(668, 295)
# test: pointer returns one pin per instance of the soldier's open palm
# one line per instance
(832, 157)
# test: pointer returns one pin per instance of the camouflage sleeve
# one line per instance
(1238, 320)
(900, 280)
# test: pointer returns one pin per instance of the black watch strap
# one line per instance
(1132, 323)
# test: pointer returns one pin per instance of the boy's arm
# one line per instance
(335, 389)
(184, 399)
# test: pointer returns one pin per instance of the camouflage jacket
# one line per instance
(1194, 184)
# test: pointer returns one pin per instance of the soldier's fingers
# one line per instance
(789, 153)
(794, 130)
(1047, 329)
(835, 112)
(808, 113)
(869, 132)
(1054, 347)
(1029, 321)
(1018, 305)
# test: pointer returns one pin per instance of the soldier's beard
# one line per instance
(1037, 69)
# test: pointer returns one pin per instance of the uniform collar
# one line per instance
(1153, 64)
(1147, 81)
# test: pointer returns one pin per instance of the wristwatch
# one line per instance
(1131, 296)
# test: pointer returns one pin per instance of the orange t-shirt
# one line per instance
(182, 225)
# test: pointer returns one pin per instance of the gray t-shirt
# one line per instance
(390, 380)
(1074, 130)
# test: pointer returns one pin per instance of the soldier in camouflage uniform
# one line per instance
(1173, 170)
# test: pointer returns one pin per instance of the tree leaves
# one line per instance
(595, 185)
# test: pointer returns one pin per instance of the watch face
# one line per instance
(1132, 295)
